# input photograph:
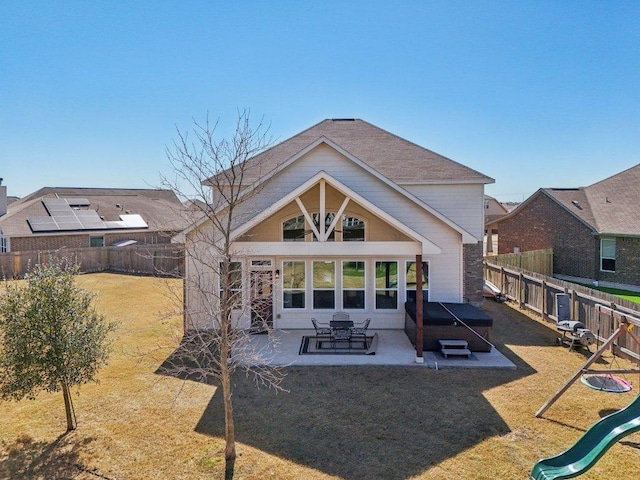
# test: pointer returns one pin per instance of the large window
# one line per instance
(235, 283)
(324, 285)
(353, 285)
(412, 283)
(608, 254)
(386, 285)
(296, 229)
(293, 229)
(293, 284)
(352, 229)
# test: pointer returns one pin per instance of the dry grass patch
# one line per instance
(336, 423)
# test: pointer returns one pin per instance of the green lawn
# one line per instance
(626, 294)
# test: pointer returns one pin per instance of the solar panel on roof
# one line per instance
(42, 224)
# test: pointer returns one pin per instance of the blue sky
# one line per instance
(532, 93)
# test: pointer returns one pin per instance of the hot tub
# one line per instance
(439, 324)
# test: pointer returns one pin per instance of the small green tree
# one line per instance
(51, 336)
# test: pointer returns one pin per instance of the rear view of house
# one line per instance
(339, 215)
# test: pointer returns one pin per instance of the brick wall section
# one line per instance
(627, 263)
(473, 273)
(55, 242)
(542, 223)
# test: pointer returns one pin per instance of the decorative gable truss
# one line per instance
(250, 238)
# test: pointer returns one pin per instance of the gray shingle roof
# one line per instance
(615, 203)
(400, 160)
(610, 206)
(161, 209)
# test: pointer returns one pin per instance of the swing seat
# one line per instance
(605, 382)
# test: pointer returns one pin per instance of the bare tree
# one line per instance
(215, 177)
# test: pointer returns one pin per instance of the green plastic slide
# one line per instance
(591, 446)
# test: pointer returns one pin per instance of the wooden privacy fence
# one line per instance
(537, 293)
(135, 259)
(539, 261)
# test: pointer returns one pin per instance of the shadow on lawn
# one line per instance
(26, 458)
(362, 422)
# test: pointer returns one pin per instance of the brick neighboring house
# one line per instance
(54, 217)
(594, 231)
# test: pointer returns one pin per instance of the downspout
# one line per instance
(419, 319)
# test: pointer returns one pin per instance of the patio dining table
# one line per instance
(341, 331)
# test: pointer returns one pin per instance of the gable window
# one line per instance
(293, 229)
(235, 283)
(293, 284)
(386, 285)
(411, 281)
(353, 291)
(324, 285)
(352, 229)
(608, 254)
(328, 218)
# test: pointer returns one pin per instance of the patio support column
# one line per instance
(419, 319)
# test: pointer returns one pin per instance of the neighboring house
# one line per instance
(594, 231)
(493, 210)
(340, 214)
(53, 218)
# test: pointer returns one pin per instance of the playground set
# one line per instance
(590, 447)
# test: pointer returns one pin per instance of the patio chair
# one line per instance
(322, 331)
(360, 330)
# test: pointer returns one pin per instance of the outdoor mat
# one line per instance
(311, 345)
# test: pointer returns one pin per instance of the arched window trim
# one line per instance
(309, 236)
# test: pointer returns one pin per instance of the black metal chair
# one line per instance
(322, 331)
(359, 330)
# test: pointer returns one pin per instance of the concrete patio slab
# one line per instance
(394, 348)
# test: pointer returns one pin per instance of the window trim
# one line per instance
(376, 289)
(362, 289)
(285, 289)
(406, 286)
(239, 289)
(602, 257)
(323, 289)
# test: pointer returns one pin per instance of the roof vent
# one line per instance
(343, 119)
(575, 202)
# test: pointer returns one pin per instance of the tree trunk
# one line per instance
(229, 427)
(68, 407)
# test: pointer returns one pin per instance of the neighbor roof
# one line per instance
(400, 160)
(611, 206)
(160, 209)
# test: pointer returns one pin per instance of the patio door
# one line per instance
(261, 299)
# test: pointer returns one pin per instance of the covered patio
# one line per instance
(393, 348)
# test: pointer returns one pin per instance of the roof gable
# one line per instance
(399, 160)
(608, 207)
(615, 203)
(428, 246)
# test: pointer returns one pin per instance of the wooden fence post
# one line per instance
(520, 289)
(545, 315)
